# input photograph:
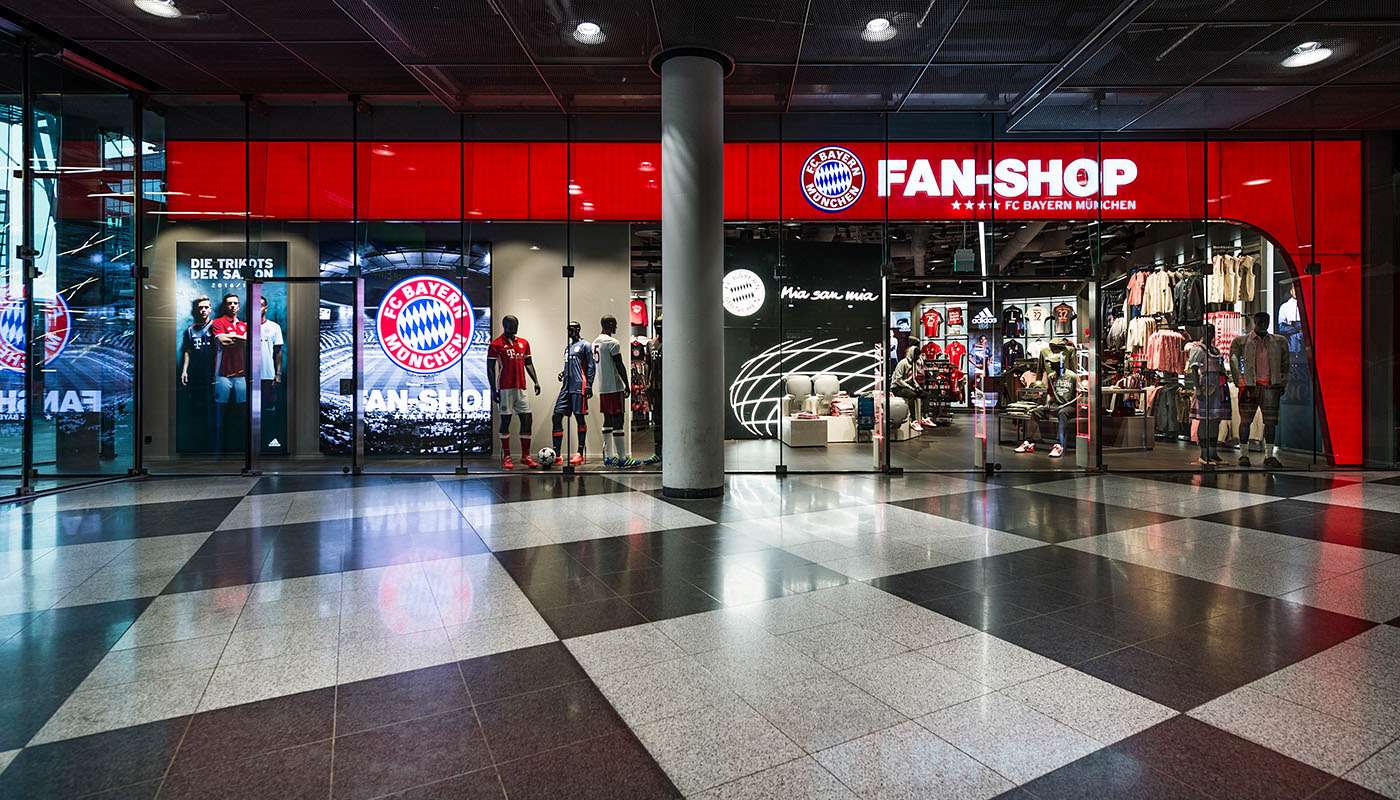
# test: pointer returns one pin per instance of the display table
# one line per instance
(841, 428)
(803, 432)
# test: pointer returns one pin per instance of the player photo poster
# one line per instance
(211, 377)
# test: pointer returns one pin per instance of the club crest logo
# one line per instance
(58, 329)
(425, 324)
(832, 179)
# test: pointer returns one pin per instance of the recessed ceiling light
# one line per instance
(1258, 181)
(878, 30)
(1307, 53)
(159, 8)
(589, 33)
(574, 188)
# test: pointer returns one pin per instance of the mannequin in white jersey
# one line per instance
(612, 394)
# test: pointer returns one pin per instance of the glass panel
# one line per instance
(84, 293)
(12, 394)
(756, 356)
(193, 417)
(644, 349)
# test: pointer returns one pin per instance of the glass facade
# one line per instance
(316, 285)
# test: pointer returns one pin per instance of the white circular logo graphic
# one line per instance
(425, 324)
(832, 179)
(58, 329)
(743, 293)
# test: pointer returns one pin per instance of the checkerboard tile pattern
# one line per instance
(1230, 635)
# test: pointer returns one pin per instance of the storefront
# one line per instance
(889, 304)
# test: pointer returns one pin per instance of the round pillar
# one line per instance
(692, 264)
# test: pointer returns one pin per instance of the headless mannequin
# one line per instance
(1203, 375)
(1060, 403)
(614, 429)
(902, 384)
(510, 330)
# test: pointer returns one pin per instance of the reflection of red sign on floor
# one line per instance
(58, 329)
(427, 592)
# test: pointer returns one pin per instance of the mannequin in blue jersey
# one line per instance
(577, 386)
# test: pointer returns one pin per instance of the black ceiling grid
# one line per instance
(1052, 65)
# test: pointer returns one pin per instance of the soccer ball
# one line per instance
(547, 457)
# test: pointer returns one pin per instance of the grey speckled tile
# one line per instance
(914, 684)
(1093, 707)
(1017, 741)
(715, 744)
(907, 762)
(802, 778)
(824, 712)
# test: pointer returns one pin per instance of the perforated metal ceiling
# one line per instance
(1093, 64)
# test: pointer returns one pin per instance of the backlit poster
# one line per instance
(211, 331)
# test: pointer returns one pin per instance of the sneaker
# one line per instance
(915, 426)
(576, 459)
(1205, 462)
(530, 462)
(1216, 459)
(506, 463)
(609, 461)
(626, 463)
(928, 422)
(1244, 461)
(1026, 447)
(1057, 451)
(1272, 463)
(652, 459)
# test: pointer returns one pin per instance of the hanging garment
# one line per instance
(1189, 300)
(1165, 351)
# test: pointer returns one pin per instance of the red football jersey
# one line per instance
(956, 351)
(511, 356)
(932, 320)
(930, 349)
(231, 357)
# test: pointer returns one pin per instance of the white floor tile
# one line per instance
(1015, 740)
(909, 763)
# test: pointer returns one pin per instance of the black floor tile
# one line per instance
(597, 616)
(916, 586)
(277, 484)
(1168, 682)
(549, 485)
(673, 601)
(252, 729)
(1277, 516)
(720, 539)
(24, 713)
(516, 672)
(1221, 764)
(1060, 641)
(521, 726)
(483, 784)
(612, 766)
(978, 610)
(543, 564)
(91, 764)
(1340, 789)
(408, 754)
(1274, 484)
(1108, 773)
(1183, 601)
(975, 575)
(10, 624)
(398, 697)
(297, 773)
(1033, 596)
(1106, 619)
(806, 578)
(581, 588)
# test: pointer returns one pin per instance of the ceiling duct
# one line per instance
(1018, 242)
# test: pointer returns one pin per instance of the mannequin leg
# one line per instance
(558, 433)
(527, 429)
(504, 432)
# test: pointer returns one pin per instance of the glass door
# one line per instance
(305, 411)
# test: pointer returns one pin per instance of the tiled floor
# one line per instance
(1229, 636)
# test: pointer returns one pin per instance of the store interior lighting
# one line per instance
(589, 33)
(1306, 54)
(159, 8)
(878, 29)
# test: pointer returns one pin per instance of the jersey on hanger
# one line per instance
(1013, 321)
(932, 320)
(638, 310)
(956, 351)
(511, 356)
(1035, 319)
(955, 320)
(929, 350)
(1064, 319)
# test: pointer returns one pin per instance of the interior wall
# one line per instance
(529, 284)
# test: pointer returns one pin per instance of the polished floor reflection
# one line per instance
(1036, 636)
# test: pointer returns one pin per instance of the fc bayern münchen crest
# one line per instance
(58, 329)
(832, 178)
(425, 324)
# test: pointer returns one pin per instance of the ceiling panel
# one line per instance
(300, 20)
(973, 87)
(361, 67)
(604, 88)
(1087, 110)
(166, 68)
(485, 87)
(1215, 107)
(438, 31)
(252, 67)
(1163, 54)
(1021, 31)
(873, 87)
(74, 20)
(628, 30)
(1327, 107)
(754, 87)
(1226, 10)
(1350, 44)
(758, 31)
(837, 31)
(206, 20)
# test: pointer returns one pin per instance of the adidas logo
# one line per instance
(984, 319)
(274, 443)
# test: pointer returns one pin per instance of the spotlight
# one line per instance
(159, 8)
(589, 33)
(878, 30)
(1306, 54)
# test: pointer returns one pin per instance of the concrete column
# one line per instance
(692, 263)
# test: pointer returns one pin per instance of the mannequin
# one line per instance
(1062, 388)
(612, 391)
(902, 383)
(577, 386)
(1205, 376)
(511, 354)
(654, 393)
(1259, 367)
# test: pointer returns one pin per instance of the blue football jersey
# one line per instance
(578, 366)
